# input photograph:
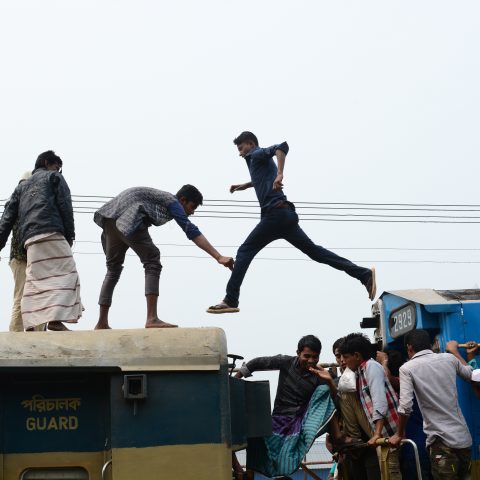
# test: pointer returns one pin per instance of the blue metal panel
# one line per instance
(181, 408)
(54, 412)
(424, 319)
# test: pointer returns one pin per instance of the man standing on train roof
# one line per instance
(278, 221)
(41, 208)
(125, 220)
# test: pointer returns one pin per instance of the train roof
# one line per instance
(129, 350)
(429, 296)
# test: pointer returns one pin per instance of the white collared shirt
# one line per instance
(432, 377)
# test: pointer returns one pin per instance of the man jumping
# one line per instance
(278, 220)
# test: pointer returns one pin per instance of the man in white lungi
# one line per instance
(42, 206)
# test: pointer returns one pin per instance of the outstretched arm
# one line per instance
(201, 242)
(452, 347)
(276, 362)
(240, 186)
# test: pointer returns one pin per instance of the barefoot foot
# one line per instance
(102, 326)
(157, 323)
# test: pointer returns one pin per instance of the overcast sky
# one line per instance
(378, 101)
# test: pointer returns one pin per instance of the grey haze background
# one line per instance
(378, 100)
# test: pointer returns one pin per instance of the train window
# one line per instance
(54, 474)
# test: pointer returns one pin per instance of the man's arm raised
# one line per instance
(201, 242)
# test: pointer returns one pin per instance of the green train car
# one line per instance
(124, 405)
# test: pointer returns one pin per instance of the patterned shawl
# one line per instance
(391, 420)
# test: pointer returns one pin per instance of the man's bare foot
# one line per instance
(102, 326)
(157, 323)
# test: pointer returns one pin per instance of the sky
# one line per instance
(378, 101)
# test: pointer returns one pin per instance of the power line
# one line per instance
(387, 219)
(302, 259)
(290, 247)
(331, 248)
(202, 211)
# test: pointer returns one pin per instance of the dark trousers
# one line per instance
(449, 463)
(115, 246)
(276, 224)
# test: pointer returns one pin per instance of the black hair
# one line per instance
(337, 343)
(246, 137)
(395, 361)
(418, 339)
(191, 193)
(310, 341)
(357, 342)
(47, 158)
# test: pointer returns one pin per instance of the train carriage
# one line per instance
(124, 404)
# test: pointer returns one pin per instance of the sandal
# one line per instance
(222, 307)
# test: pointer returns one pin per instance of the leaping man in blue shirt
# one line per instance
(278, 221)
(125, 220)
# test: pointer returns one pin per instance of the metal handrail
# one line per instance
(104, 469)
(384, 443)
(417, 457)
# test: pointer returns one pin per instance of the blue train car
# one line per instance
(446, 315)
(123, 405)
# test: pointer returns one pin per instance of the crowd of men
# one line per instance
(378, 395)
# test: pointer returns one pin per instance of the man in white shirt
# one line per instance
(432, 378)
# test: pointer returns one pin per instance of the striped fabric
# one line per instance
(52, 286)
(282, 452)
(391, 419)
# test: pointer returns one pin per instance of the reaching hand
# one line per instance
(237, 188)
(372, 442)
(278, 183)
(395, 440)
(472, 348)
(321, 373)
(226, 262)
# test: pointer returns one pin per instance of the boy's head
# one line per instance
(355, 349)
(49, 160)
(395, 361)
(336, 351)
(308, 351)
(245, 143)
(190, 198)
(416, 341)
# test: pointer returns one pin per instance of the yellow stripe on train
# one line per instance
(185, 462)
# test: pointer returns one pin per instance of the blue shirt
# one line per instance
(263, 172)
(178, 213)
